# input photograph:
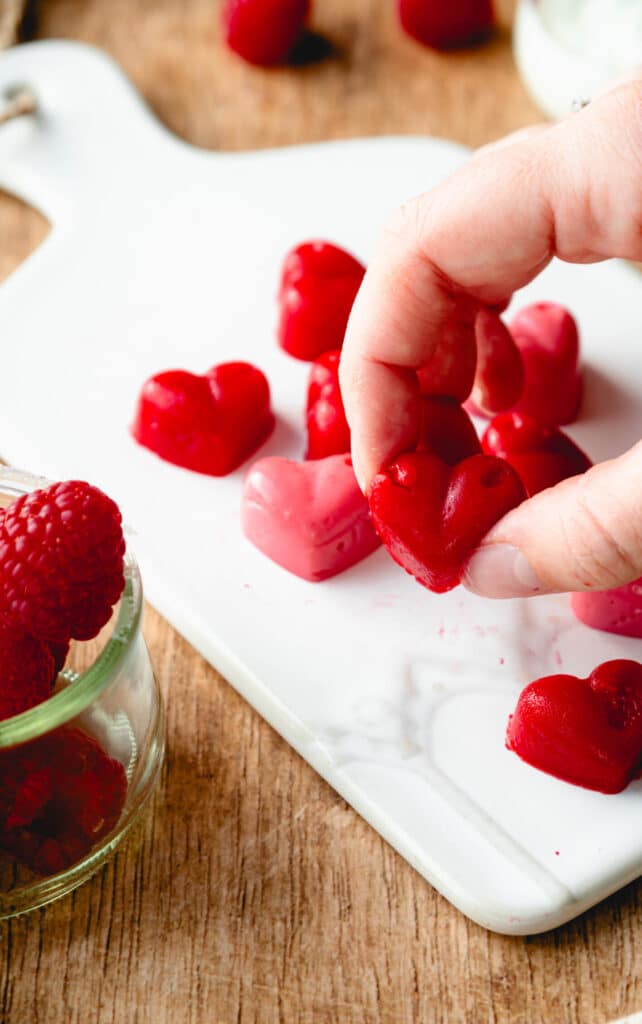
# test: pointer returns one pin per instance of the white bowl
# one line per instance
(558, 77)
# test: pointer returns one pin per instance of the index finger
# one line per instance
(571, 190)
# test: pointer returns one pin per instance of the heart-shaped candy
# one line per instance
(319, 282)
(210, 423)
(499, 374)
(328, 430)
(309, 517)
(541, 455)
(450, 372)
(614, 611)
(263, 33)
(446, 430)
(486, 363)
(546, 335)
(585, 731)
(446, 26)
(499, 379)
(431, 516)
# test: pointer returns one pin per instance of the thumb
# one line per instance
(584, 534)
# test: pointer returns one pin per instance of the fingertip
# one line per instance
(581, 534)
(502, 571)
(383, 410)
(360, 471)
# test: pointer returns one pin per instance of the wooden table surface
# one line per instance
(254, 893)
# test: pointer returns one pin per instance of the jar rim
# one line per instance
(79, 694)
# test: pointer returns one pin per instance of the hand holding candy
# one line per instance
(467, 246)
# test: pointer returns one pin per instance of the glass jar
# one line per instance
(77, 770)
(568, 51)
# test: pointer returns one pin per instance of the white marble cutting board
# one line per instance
(163, 255)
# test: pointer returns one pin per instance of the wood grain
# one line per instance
(253, 894)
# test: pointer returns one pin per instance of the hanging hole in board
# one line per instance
(17, 101)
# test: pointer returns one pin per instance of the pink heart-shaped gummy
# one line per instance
(309, 517)
(614, 611)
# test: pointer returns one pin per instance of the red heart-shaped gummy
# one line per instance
(445, 26)
(264, 32)
(319, 282)
(499, 375)
(488, 359)
(210, 424)
(614, 611)
(541, 455)
(328, 430)
(546, 335)
(446, 430)
(432, 516)
(585, 731)
(450, 372)
(309, 517)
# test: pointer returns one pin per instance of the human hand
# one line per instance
(573, 190)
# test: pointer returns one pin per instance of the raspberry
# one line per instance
(26, 672)
(59, 652)
(34, 792)
(61, 562)
(264, 32)
(59, 795)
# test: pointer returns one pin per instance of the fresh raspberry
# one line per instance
(59, 795)
(34, 791)
(446, 25)
(319, 282)
(61, 562)
(264, 32)
(26, 672)
(59, 652)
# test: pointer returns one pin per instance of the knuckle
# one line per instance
(404, 228)
(628, 96)
(603, 540)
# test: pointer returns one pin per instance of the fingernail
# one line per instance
(501, 570)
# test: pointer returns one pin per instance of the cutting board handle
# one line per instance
(90, 125)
